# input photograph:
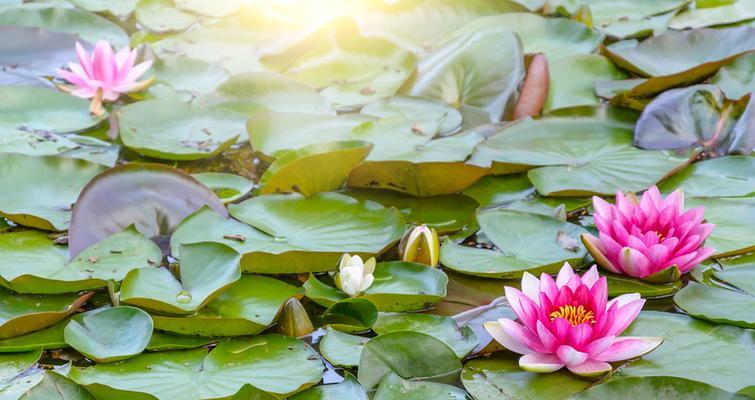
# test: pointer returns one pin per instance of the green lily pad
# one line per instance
(618, 285)
(609, 12)
(461, 339)
(186, 74)
(110, 334)
(516, 192)
(12, 367)
(247, 307)
(349, 388)
(392, 387)
(314, 168)
(538, 244)
(731, 176)
(342, 349)
(210, 8)
(46, 339)
(275, 364)
(655, 388)
(119, 8)
(737, 78)
(52, 386)
(576, 156)
(88, 26)
(677, 58)
(410, 355)
(718, 305)
(162, 341)
(740, 277)
(38, 111)
(206, 270)
(686, 341)
(500, 375)
(423, 113)
(572, 80)
(732, 218)
(257, 91)
(629, 29)
(399, 22)
(47, 203)
(34, 52)
(162, 16)
(554, 37)
(33, 263)
(479, 70)
(351, 315)
(322, 293)
(444, 213)
(178, 131)
(349, 68)
(740, 10)
(228, 187)
(294, 234)
(24, 314)
(155, 198)
(274, 133)
(44, 143)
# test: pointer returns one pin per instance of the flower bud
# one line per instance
(420, 245)
(354, 275)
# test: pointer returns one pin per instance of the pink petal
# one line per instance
(602, 208)
(104, 63)
(569, 356)
(523, 306)
(531, 287)
(624, 316)
(580, 336)
(634, 263)
(675, 199)
(590, 277)
(549, 341)
(564, 275)
(540, 362)
(548, 286)
(591, 368)
(137, 71)
(499, 335)
(124, 61)
(84, 58)
(598, 346)
(658, 257)
(626, 347)
(624, 299)
(522, 335)
(700, 256)
(72, 78)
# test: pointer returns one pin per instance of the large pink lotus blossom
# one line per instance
(570, 322)
(104, 75)
(653, 239)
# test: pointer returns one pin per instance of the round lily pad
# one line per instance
(732, 218)
(23, 314)
(110, 334)
(717, 304)
(206, 270)
(186, 74)
(461, 339)
(41, 111)
(178, 131)
(349, 388)
(47, 203)
(731, 176)
(342, 349)
(293, 234)
(314, 168)
(393, 387)
(351, 315)
(162, 16)
(426, 114)
(275, 364)
(228, 187)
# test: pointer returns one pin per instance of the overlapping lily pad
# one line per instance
(392, 387)
(185, 74)
(275, 364)
(424, 113)
(23, 314)
(162, 16)
(538, 244)
(247, 307)
(727, 13)
(731, 176)
(342, 349)
(206, 270)
(228, 187)
(732, 218)
(461, 339)
(572, 80)
(291, 233)
(577, 156)
(737, 79)
(717, 304)
(351, 315)
(41, 111)
(110, 334)
(32, 53)
(349, 388)
(30, 261)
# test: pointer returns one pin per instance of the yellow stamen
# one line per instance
(574, 314)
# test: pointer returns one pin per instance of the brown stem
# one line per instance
(535, 89)
(95, 107)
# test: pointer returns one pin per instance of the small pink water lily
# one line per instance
(570, 323)
(104, 75)
(653, 239)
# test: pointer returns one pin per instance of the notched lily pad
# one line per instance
(110, 334)
(23, 314)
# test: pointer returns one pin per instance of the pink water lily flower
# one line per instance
(653, 239)
(104, 75)
(570, 323)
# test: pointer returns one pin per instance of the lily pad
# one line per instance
(206, 270)
(479, 70)
(314, 168)
(88, 26)
(258, 91)
(274, 133)
(737, 79)
(423, 113)
(41, 111)
(22, 314)
(247, 307)
(273, 363)
(162, 341)
(572, 80)
(618, 285)
(110, 334)
(444, 213)
(515, 192)
(52, 386)
(351, 315)
(156, 198)
(731, 176)
(228, 187)
(178, 131)
(717, 304)
(47, 203)
(30, 262)
(577, 156)
(392, 387)
(732, 218)
(538, 244)
(350, 69)
(342, 349)
(740, 10)
(291, 233)
(461, 339)
(162, 16)
(50, 338)
(186, 74)
(349, 388)
(119, 9)
(29, 54)
(409, 355)
(609, 12)
(654, 388)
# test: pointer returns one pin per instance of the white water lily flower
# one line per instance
(354, 275)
